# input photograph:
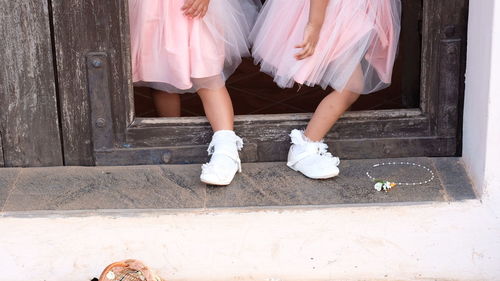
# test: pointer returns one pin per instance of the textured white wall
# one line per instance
(492, 177)
(427, 242)
(481, 123)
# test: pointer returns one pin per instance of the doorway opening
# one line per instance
(253, 92)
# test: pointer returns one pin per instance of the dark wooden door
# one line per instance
(29, 121)
(100, 124)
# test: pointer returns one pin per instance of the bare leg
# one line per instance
(328, 112)
(218, 108)
(224, 163)
(167, 104)
(332, 107)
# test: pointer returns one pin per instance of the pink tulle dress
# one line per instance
(173, 53)
(356, 51)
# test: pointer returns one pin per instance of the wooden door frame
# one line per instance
(118, 138)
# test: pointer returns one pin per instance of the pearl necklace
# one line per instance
(431, 178)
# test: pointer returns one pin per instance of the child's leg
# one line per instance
(328, 112)
(167, 104)
(225, 161)
(307, 154)
(218, 108)
(332, 107)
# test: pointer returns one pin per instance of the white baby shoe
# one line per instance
(225, 161)
(310, 158)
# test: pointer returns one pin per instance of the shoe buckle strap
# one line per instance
(231, 156)
(301, 157)
(213, 144)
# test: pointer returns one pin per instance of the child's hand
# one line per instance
(195, 8)
(308, 46)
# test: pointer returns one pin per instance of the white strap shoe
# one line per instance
(312, 159)
(225, 161)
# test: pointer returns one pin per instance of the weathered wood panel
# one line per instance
(449, 87)
(82, 27)
(278, 130)
(275, 151)
(166, 155)
(443, 20)
(2, 163)
(28, 105)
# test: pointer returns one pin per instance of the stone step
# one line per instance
(260, 185)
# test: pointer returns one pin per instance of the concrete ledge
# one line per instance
(435, 241)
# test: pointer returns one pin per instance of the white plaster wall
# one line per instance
(458, 241)
(492, 171)
(426, 242)
(477, 89)
(482, 101)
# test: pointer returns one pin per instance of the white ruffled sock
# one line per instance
(225, 161)
(311, 158)
(224, 148)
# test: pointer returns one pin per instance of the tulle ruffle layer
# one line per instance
(173, 53)
(356, 50)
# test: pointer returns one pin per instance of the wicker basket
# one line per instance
(128, 270)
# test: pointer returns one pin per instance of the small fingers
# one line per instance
(191, 9)
(196, 10)
(301, 45)
(200, 12)
(204, 12)
(187, 5)
(301, 55)
(308, 51)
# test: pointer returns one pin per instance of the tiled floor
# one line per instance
(261, 184)
(253, 92)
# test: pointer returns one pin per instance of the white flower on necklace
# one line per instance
(384, 185)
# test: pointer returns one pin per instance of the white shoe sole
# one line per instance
(209, 182)
(323, 177)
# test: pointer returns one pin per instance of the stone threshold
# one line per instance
(82, 189)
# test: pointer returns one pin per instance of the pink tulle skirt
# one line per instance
(173, 53)
(356, 50)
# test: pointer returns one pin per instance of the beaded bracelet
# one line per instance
(386, 185)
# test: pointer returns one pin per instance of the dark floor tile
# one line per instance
(280, 108)
(191, 105)
(100, 188)
(381, 100)
(7, 179)
(246, 104)
(307, 102)
(144, 106)
(454, 178)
